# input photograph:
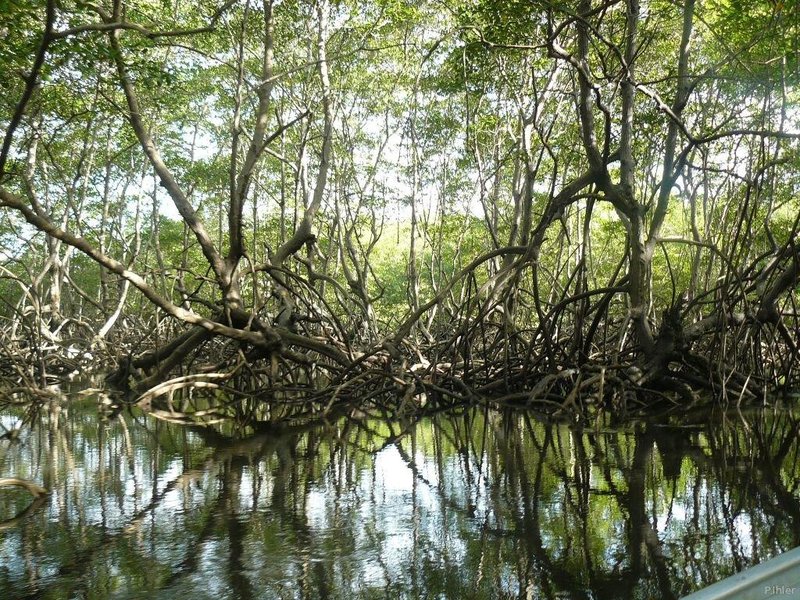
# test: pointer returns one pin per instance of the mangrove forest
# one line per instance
(578, 207)
(257, 255)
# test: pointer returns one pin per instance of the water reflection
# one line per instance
(476, 504)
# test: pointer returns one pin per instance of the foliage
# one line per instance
(559, 185)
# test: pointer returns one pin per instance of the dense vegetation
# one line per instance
(562, 205)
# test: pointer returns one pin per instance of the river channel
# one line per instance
(466, 504)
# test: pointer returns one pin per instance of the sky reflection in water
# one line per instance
(467, 505)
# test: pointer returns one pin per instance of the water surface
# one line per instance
(471, 504)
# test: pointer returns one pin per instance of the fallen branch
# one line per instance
(33, 488)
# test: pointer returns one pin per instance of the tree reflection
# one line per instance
(471, 504)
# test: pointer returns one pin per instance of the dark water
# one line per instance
(469, 505)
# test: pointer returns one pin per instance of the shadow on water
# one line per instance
(470, 504)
